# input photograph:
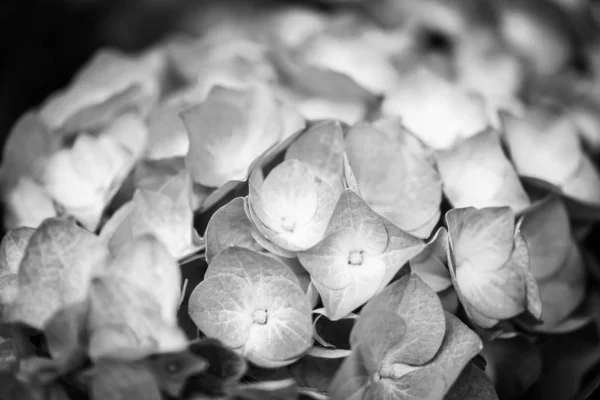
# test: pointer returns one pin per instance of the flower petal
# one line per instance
(475, 173)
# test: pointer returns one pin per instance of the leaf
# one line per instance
(254, 304)
(229, 226)
(489, 268)
(291, 207)
(227, 121)
(431, 265)
(172, 370)
(165, 213)
(472, 384)
(544, 144)
(120, 381)
(475, 173)
(133, 306)
(56, 271)
(514, 365)
(12, 251)
(395, 181)
(421, 95)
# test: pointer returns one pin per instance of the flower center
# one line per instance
(260, 317)
(288, 224)
(376, 377)
(355, 257)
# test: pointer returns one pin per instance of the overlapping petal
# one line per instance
(431, 265)
(106, 76)
(55, 273)
(321, 147)
(545, 144)
(12, 251)
(230, 121)
(359, 255)
(489, 265)
(475, 173)
(84, 178)
(133, 304)
(395, 178)
(291, 206)
(405, 346)
(555, 261)
(423, 95)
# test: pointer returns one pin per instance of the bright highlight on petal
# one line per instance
(475, 173)
(436, 111)
(242, 122)
(291, 206)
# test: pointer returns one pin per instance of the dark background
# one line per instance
(43, 42)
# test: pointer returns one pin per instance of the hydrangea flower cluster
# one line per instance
(319, 205)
